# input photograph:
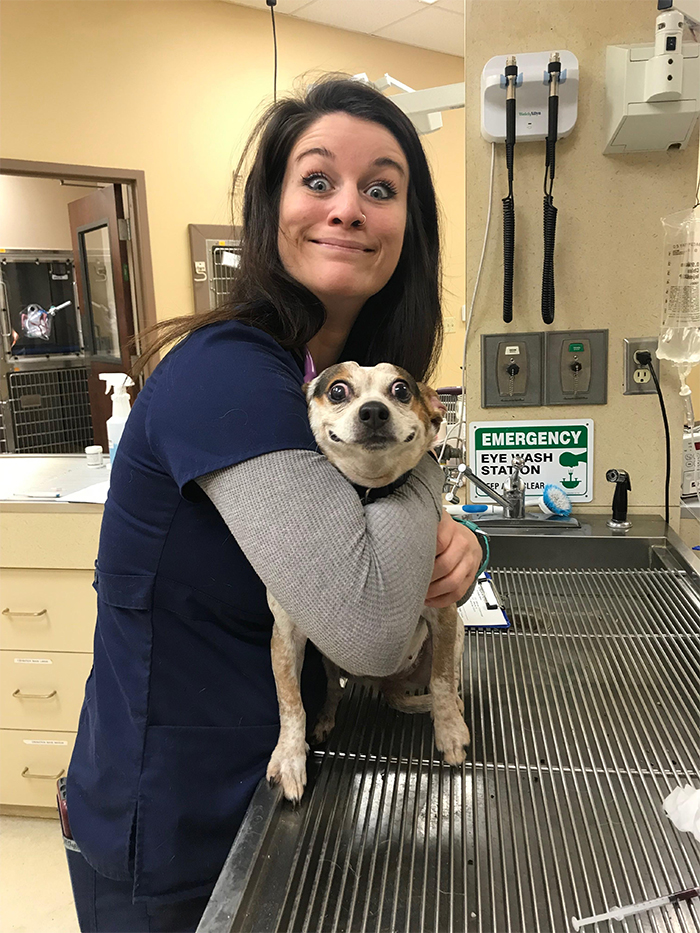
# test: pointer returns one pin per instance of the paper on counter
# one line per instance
(95, 493)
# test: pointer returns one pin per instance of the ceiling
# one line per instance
(438, 26)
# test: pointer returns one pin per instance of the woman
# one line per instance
(340, 260)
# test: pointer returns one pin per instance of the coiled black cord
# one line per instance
(509, 206)
(550, 227)
(508, 256)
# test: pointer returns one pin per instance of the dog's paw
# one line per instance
(451, 737)
(322, 729)
(287, 767)
(460, 704)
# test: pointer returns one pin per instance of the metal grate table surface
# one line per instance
(584, 716)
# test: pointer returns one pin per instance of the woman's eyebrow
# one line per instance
(390, 162)
(326, 153)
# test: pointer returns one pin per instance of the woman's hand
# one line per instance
(457, 561)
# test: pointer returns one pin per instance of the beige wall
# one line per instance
(35, 212)
(608, 262)
(173, 88)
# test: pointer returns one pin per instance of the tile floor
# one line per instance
(35, 890)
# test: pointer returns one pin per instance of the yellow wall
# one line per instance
(173, 88)
(608, 261)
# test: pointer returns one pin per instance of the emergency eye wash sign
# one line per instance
(559, 452)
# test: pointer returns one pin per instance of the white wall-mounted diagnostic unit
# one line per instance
(532, 95)
(652, 92)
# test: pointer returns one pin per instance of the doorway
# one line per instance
(77, 284)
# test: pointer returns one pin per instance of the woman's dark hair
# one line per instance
(402, 323)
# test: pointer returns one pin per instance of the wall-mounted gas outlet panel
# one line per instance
(511, 370)
(576, 367)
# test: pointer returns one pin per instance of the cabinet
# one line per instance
(47, 621)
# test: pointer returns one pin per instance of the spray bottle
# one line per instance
(120, 408)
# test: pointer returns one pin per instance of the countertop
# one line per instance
(84, 489)
(24, 477)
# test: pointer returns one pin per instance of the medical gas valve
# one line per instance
(512, 368)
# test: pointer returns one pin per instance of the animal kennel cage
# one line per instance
(214, 251)
(44, 401)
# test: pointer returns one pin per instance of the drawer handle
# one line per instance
(43, 777)
(33, 696)
(9, 612)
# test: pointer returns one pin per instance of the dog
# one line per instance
(374, 424)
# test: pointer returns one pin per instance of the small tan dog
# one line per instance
(374, 423)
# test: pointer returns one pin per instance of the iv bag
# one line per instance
(679, 338)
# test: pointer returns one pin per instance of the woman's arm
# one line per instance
(353, 578)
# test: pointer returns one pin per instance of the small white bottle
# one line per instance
(121, 406)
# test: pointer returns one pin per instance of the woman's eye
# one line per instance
(317, 183)
(338, 392)
(381, 191)
(401, 391)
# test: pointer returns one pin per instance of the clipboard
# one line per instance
(485, 608)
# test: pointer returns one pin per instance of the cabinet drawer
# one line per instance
(49, 539)
(47, 610)
(30, 765)
(42, 690)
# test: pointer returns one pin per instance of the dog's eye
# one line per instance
(338, 392)
(401, 391)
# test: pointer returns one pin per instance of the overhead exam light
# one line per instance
(423, 107)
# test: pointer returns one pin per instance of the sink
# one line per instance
(584, 716)
(650, 543)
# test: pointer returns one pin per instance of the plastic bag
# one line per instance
(679, 338)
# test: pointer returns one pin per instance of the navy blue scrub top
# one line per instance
(180, 713)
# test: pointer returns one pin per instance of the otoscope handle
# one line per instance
(552, 131)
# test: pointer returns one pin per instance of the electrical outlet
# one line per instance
(638, 379)
(449, 325)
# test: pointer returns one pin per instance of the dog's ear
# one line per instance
(308, 388)
(433, 404)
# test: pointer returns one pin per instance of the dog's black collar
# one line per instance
(372, 493)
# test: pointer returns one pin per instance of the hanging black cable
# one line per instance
(550, 211)
(511, 75)
(272, 4)
(643, 357)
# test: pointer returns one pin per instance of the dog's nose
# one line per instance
(374, 414)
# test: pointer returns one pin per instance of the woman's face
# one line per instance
(341, 170)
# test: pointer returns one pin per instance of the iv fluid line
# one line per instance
(462, 419)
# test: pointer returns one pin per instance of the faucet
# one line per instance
(513, 498)
(619, 522)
